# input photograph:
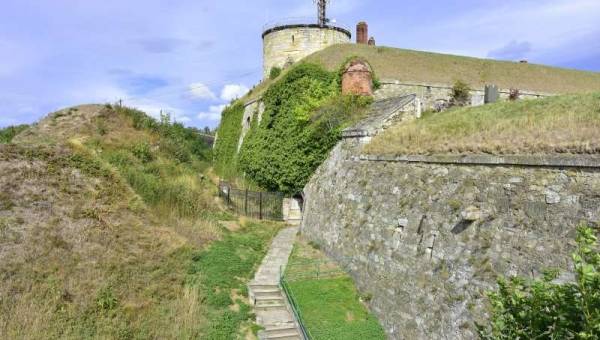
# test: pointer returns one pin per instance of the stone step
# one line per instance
(284, 337)
(261, 286)
(269, 299)
(268, 296)
(270, 306)
(289, 330)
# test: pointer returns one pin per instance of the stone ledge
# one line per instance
(552, 161)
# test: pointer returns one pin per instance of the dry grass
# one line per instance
(83, 254)
(417, 66)
(562, 124)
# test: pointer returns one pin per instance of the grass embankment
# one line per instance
(109, 230)
(426, 67)
(562, 124)
(330, 305)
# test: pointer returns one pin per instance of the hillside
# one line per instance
(425, 67)
(561, 124)
(108, 229)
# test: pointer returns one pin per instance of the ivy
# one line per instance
(544, 309)
(225, 150)
(303, 119)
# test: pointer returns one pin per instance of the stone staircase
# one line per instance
(270, 304)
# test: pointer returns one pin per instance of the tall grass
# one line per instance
(562, 124)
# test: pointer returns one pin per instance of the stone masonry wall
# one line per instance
(426, 240)
(429, 94)
(293, 44)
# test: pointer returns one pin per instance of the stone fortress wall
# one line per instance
(430, 94)
(285, 45)
(424, 237)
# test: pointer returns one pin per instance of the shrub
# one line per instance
(275, 72)
(142, 152)
(7, 134)
(514, 94)
(460, 94)
(543, 309)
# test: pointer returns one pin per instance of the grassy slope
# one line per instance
(562, 124)
(437, 68)
(106, 233)
(417, 66)
(330, 306)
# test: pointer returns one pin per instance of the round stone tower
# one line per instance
(285, 44)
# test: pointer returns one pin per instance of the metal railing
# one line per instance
(255, 204)
(304, 21)
(306, 335)
(306, 270)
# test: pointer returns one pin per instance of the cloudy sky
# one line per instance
(191, 57)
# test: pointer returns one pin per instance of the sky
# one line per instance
(190, 58)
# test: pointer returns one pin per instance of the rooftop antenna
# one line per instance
(322, 6)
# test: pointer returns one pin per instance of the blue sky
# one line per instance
(191, 57)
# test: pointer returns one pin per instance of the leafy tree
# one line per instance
(545, 309)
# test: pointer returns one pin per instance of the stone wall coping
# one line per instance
(550, 161)
(446, 86)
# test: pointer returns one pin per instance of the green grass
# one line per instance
(561, 124)
(331, 310)
(223, 270)
(425, 67)
(330, 306)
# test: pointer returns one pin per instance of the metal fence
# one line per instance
(306, 270)
(255, 204)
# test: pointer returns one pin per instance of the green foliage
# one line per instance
(303, 118)
(225, 149)
(543, 309)
(226, 266)
(8, 133)
(275, 72)
(106, 299)
(460, 93)
(142, 152)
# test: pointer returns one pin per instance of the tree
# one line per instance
(545, 309)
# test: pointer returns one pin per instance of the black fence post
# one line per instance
(260, 217)
(228, 196)
(246, 203)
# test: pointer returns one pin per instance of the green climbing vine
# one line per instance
(303, 119)
(225, 150)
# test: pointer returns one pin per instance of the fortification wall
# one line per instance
(430, 94)
(285, 46)
(425, 237)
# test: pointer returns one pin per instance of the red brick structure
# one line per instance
(362, 33)
(372, 41)
(357, 78)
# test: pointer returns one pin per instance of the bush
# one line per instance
(275, 72)
(543, 309)
(514, 94)
(142, 152)
(7, 134)
(460, 94)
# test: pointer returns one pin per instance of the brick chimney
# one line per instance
(362, 33)
(371, 41)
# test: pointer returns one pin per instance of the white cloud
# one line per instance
(201, 91)
(233, 91)
(214, 112)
